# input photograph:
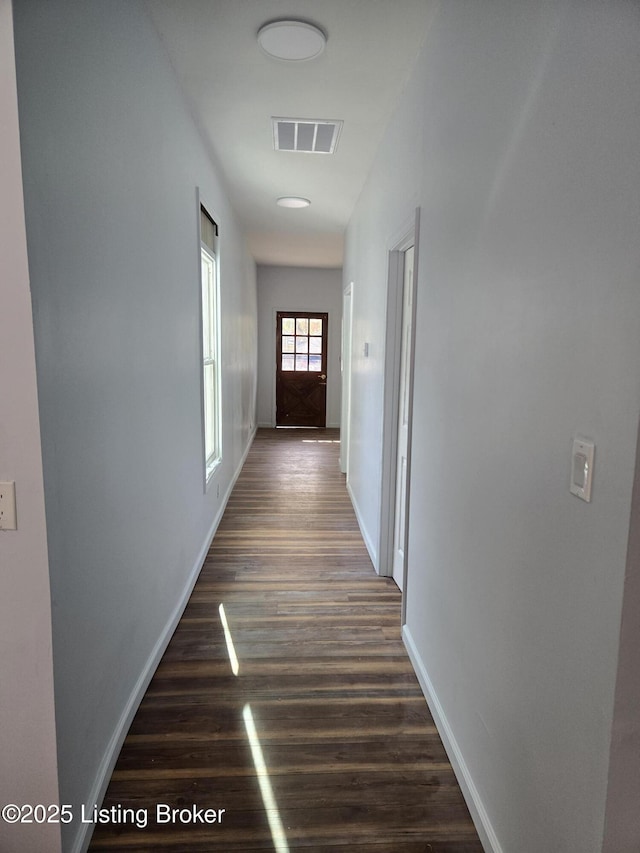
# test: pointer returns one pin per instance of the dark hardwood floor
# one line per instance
(321, 740)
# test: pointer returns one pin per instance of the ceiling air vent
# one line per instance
(309, 136)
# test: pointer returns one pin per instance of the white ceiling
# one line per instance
(234, 89)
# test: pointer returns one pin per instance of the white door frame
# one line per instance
(345, 367)
(393, 352)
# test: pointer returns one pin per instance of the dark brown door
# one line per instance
(301, 369)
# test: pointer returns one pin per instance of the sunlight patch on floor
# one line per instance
(231, 649)
(269, 801)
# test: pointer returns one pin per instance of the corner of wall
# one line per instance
(622, 817)
(27, 734)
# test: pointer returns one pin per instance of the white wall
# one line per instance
(517, 136)
(297, 289)
(27, 723)
(111, 165)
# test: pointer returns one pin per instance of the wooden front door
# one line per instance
(301, 369)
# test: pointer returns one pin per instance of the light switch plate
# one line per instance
(582, 457)
(8, 506)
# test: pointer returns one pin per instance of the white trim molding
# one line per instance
(408, 237)
(363, 531)
(470, 793)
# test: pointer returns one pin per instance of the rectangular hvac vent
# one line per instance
(310, 136)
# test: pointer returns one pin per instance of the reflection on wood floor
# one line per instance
(286, 697)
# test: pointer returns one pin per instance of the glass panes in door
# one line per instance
(301, 344)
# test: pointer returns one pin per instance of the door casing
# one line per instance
(403, 420)
(345, 365)
(393, 350)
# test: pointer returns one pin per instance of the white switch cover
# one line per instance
(582, 456)
(8, 506)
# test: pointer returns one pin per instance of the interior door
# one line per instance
(301, 368)
(403, 423)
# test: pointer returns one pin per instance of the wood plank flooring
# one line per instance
(322, 741)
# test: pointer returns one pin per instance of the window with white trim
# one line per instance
(210, 343)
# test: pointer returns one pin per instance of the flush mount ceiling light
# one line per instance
(293, 41)
(293, 201)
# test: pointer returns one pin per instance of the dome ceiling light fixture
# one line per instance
(292, 41)
(293, 201)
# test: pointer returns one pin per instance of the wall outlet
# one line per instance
(8, 506)
(582, 454)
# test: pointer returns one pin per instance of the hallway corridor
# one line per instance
(285, 697)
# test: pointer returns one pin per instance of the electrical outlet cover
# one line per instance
(582, 456)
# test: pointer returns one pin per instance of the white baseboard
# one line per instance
(469, 791)
(103, 777)
(363, 530)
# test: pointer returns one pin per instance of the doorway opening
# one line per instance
(345, 369)
(399, 361)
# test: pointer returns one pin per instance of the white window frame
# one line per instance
(210, 331)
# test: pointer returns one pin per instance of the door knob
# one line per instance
(323, 376)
